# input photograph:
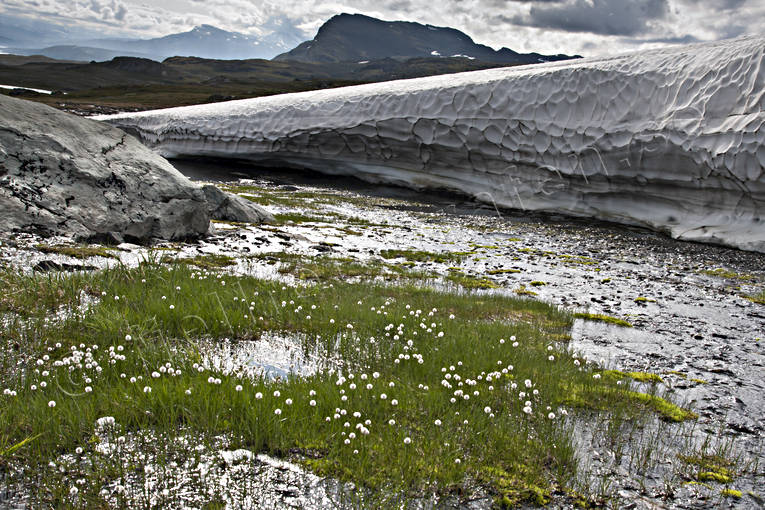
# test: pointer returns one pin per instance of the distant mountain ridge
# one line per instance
(204, 41)
(356, 37)
(343, 38)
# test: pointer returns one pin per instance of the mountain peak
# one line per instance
(206, 28)
(357, 37)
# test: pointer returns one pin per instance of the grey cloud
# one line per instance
(605, 17)
(685, 39)
(120, 13)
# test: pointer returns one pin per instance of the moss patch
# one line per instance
(645, 377)
(711, 468)
(77, 252)
(599, 317)
(503, 271)
(471, 282)
(523, 291)
(422, 256)
(757, 298)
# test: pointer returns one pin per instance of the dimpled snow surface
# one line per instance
(670, 139)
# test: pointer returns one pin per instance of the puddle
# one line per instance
(271, 357)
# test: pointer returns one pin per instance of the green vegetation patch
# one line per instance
(471, 282)
(211, 261)
(757, 298)
(644, 377)
(503, 271)
(711, 468)
(39, 294)
(78, 252)
(523, 291)
(599, 317)
(727, 273)
(602, 398)
(422, 256)
(294, 217)
(386, 410)
(667, 410)
(732, 493)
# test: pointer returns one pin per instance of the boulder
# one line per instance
(227, 207)
(66, 175)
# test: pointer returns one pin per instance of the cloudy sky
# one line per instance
(587, 27)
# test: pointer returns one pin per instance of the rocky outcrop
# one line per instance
(65, 175)
(672, 139)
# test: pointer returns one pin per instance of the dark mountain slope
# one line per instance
(355, 37)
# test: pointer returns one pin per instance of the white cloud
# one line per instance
(547, 26)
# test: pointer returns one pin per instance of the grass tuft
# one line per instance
(599, 317)
(422, 256)
(77, 252)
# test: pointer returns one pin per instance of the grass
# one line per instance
(727, 273)
(471, 282)
(78, 252)
(599, 317)
(710, 467)
(644, 377)
(523, 291)
(292, 217)
(452, 406)
(333, 268)
(503, 271)
(423, 256)
(757, 298)
(211, 261)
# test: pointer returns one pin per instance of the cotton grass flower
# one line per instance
(407, 440)
(52, 403)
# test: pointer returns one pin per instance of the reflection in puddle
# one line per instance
(272, 356)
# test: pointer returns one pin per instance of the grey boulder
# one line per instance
(66, 175)
(227, 207)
